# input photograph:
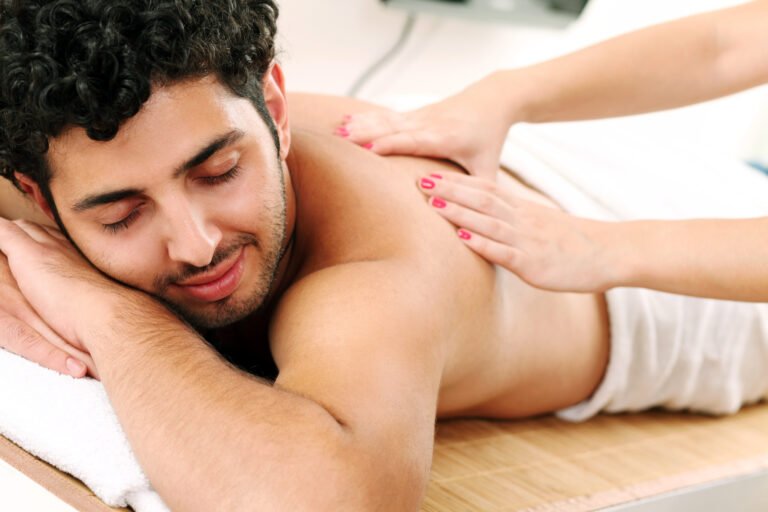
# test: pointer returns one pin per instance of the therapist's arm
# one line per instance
(664, 66)
(551, 249)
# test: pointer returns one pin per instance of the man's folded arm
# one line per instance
(14, 205)
(347, 426)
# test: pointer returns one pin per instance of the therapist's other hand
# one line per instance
(468, 129)
(545, 247)
(24, 333)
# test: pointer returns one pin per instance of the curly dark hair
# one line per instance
(92, 63)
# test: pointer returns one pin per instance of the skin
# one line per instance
(665, 66)
(378, 319)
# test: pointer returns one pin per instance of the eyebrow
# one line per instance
(92, 201)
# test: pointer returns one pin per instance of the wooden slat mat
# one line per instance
(67, 488)
(545, 464)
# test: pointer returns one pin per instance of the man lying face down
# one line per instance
(157, 135)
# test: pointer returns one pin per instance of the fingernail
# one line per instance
(427, 183)
(342, 132)
(436, 176)
(74, 366)
(368, 146)
(465, 235)
(438, 203)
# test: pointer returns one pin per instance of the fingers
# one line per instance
(392, 133)
(36, 232)
(369, 126)
(497, 253)
(490, 226)
(21, 339)
(476, 194)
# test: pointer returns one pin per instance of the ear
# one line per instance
(32, 189)
(277, 104)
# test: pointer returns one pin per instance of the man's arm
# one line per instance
(347, 426)
(13, 205)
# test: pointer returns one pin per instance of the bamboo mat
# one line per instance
(548, 465)
(544, 464)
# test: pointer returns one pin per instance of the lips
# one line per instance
(219, 283)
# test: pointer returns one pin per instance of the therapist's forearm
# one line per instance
(211, 437)
(724, 259)
(664, 66)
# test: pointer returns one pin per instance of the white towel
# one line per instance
(600, 169)
(70, 423)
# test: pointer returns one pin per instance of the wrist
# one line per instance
(618, 253)
(508, 92)
(526, 94)
(627, 256)
(113, 312)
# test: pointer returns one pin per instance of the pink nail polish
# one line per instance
(439, 177)
(342, 132)
(438, 203)
(368, 146)
(427, 183)
(465, 235)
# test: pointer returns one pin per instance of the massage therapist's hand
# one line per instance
(59, 285)
(544, 246)
(24, 333)
(468, 128)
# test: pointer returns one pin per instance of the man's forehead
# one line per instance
(168, 129)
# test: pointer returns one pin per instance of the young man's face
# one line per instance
(188, 202)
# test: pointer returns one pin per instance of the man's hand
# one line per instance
(49, 287)
(24, 333)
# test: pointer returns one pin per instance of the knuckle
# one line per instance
(497, 229)
(487, 186)
(510, 258)
(20, 338)
(486, 202)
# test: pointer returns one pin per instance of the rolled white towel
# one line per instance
(70, 424)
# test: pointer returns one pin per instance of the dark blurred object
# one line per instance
(553, 13)
(561, 5)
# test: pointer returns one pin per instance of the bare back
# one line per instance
(512, 350)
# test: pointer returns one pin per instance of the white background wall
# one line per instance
(327, 44)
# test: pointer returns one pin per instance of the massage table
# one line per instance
(544, 464)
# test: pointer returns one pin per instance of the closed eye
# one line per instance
(222, 178)
(125, 223)
(116, 227)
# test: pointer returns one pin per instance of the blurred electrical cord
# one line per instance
(374, 68)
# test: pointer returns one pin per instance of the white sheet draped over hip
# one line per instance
(666, 350)
(70, 424)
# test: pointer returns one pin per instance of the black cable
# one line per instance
(405, 34)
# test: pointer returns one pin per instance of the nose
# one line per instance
(192, 239)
